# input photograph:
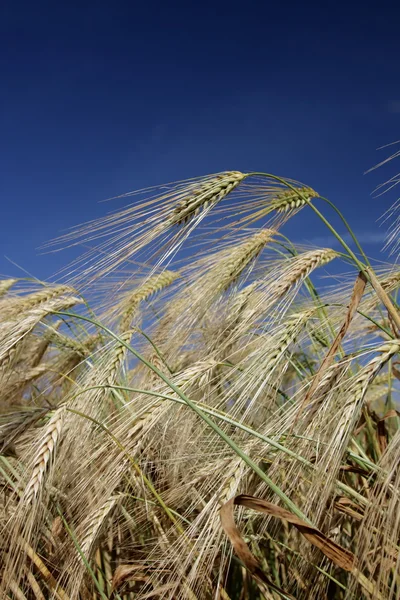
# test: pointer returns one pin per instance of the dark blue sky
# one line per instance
(101, 98)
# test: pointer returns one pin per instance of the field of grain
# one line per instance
(201, 409)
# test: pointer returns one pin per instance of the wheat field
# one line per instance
(199, 408)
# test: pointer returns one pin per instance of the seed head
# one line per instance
(290, 200)
(209, 194)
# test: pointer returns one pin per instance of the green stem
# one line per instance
(81, 554)
(314, 294)
(201, 414)
(349, 229)
(133, 463)
(356, 261)
(224, 417)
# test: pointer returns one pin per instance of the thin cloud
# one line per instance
(394, 107)
(366, 237)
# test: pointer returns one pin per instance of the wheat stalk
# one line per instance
(19, 378)
(14, 330)
(15, 423)
(290, 199)
(152, 285)
(389, 284)
(366, 376)
(94, 524)
(350, 399)
(300, 267)
(235, 349)
(44, 454)
(141, 424)
(238, 259)
(118, 357)
(17, 306)
(240, 301)
(230, 487)
(205, 196)
(5, 285)
(80, 348)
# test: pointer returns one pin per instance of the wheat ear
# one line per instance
(5, 285)
(231, 484)
(44, 454)
(147, 417)
(302, 266)
(366, 376)
(146, 290)
(209, 194)
(82, 349)
(290, 199)
(118, 358)
(94, 524)
(35, 300)
(226, 272)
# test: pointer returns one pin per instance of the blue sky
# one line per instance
(102, 98)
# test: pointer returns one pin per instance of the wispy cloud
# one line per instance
(394, 107)
(365, 237)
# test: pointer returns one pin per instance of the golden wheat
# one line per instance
(207, 195)
(113, 474)
(44, 455)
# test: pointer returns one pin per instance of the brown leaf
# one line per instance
(241, 548)
(339, 556)
(56, 533)
(57, 527)
(351, 469)
(358, 291)
(396, 372)
(347, 507)
(391, 413)
(126, 573)
(382, 437)
(384, 298)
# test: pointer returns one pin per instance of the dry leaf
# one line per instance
(382, 437)
(351, 469)
(340, 556)
(57, 527)
(337, 554)
(346, 506)
(396, 372)
(127, 573)
(241, 548)
(391, 413)
(384, 298)
(358, 291)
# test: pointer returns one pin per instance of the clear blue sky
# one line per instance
(99, 98)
